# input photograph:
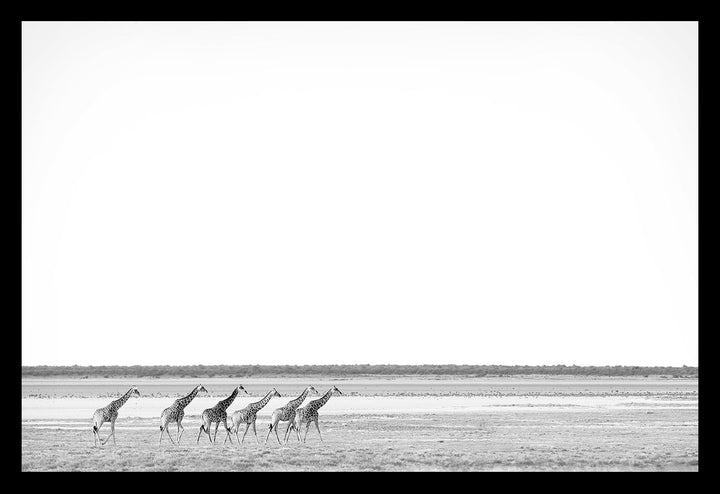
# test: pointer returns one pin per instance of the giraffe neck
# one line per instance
(297, 401)
(185, 401)
(258, 405)
(223, 405)
(121, 401)
(324, 399)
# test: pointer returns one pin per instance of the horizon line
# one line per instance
(357, 365)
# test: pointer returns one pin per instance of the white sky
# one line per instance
(318, 193)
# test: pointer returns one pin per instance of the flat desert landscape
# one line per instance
(379, 423)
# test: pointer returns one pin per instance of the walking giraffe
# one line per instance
(287, 413)
(248, 415)
(310, 414)
(110, 414)
(217, 414)
(176, 412)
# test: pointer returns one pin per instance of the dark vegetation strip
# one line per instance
(348, 370)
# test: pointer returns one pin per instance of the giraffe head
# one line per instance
(240, 388)
(334, 390)
(312, 388)
(135, 391)
(275, 393)
(200, 387)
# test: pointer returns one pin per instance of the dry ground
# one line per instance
(659, 432)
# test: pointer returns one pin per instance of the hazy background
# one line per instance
(290, 193)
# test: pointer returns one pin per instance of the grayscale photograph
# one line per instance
(359, 246)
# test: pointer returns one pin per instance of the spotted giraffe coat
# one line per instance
(109, 413)
(176, 411)
(287, 413)
(248, 415)
(218, 413)
(309, 413)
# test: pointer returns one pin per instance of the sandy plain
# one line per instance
(389, 423)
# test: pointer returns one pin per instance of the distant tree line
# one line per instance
(348, 370)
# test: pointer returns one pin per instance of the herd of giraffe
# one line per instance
(291, 413)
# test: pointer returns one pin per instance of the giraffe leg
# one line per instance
(291, 427)
(97, 424)
(96, 434)
(207, 429)
(318, 428)
(112, 433)
(295, 427)
(255, 431)
(217, 426)
(104, 441)
(204, 427)
(233, 429)
(276, 435)
(163, 426)
(272, 426)
(229, 430)
(181, 429)
(167, 429)
(227, 433)
(307, 428)
(287, 432)
(247, 427)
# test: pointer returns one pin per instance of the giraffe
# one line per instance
(248, 415)
(110, 414)
(287, 413)
(176, 412)
(217, 414)
(309, 414)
